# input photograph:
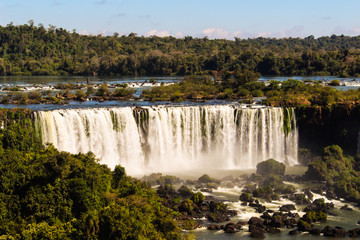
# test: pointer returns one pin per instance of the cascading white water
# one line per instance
(163, 139)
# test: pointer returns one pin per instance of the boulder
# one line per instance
(309, 194)
(257, 232)
(260, 209)
(255, 220)
(230, 228)
(240, 224)
(293, 232)
(265, 215)
(304, 226)
(270, 166)
(315, 231)
(334, 232)
(273, 230)
(346, 207)
(214, 227)
(291, 222)
(246, 197)
(277, 221)
(217, 217)
(354, 233)
(287, 208)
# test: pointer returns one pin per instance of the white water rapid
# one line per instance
(167, 139)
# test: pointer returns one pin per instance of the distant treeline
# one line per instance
(36, 50)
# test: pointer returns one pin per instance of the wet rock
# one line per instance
(334, 232)
(330, 195)
(246, 197)
(273, 230)
(244, 204)
(230, 228)
(185, 192)
(287, 208)
(240, 224)
(214, 227)
(291, 222)
(257, 232)
(315, 231)
(265, 215)
(255, 220)
(249, 188)
(354, 233)
(346, 207)
(319, 205)
(269, 167)
(304, 226)
(208, 190)
(260, 209)
(300, 199)
(293, 232)
(217, 217)
(309, 194)
(277, 221)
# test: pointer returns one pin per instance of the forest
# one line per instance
(47, 194)
(35, 50)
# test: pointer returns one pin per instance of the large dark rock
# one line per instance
(309, 194)
(272, 230)
(246, 197)
(265, 215)
(277, 221)
(230, 228)
(255, 220)
(304, 226)
(260, 209)
(315, 231)
(269, 167)
(257, 232)
(291, 222)
(319, 205)
(217, 217)
(346, 207)
(214, 227)
(287, 208)
(354, 233)
(240, 224)
(293, 232)
(334, 232)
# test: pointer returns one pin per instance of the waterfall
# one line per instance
(170, 138)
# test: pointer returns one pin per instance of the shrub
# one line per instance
(270, 166)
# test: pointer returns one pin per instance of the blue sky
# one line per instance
(198, 18)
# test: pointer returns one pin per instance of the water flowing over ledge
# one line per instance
(168, 138)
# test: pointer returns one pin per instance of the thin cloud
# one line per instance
(102, 33)
(220, 33)
(355, 31)
(326, 18)
(158, 33)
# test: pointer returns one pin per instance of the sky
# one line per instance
(197, 18)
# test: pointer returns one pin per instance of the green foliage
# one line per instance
(338, 170)
(270, 166)
(335, 82)
(313, 216)
(47, 194)
(32, 50)
(272, 180)
(198, 198)
(206, 179)
(263, 192)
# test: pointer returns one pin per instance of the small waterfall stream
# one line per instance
(169, 138)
